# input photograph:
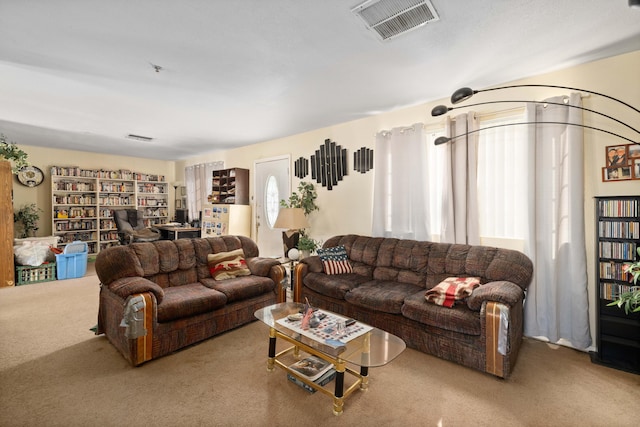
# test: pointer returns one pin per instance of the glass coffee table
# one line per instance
(331, 337)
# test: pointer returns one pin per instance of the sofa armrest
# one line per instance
(314, 264)
(503, 291)
(128, 286)
(260, 266)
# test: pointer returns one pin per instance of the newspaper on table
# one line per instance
(331, 328)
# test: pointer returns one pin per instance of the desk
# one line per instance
(174, 232)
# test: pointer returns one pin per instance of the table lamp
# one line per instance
(293, 220)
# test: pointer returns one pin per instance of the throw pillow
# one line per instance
(227, 265)
(335, 260)
(452, 289)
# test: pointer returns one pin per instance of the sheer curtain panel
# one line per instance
(401, 184)
(198, 182)
(556, 305)
(459, 214)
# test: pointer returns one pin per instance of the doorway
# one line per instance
(272, 184)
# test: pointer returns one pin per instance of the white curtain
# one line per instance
(556, 306)
(198, 183)
(401, 185)
(460, 222)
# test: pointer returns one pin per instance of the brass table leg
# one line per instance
(338, 395)
(272, 350)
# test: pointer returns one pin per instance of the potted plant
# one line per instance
(9, 151)
(631, 299)
(305, 200)
(306, 245)
(28, 217)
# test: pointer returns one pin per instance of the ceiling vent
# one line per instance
(140, 137)
(390, 18)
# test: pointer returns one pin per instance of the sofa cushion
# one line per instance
(227, 265)
(188, 300)
(452, 289)
(335, 260)
(335, 286)
(381, 295)
(241, 288)
(458, 319)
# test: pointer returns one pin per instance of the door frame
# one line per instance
(254, 225)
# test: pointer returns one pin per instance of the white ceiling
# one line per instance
(78, 74)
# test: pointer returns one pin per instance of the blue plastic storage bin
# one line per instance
(73, 262)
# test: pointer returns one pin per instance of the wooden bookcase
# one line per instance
(618, 237)
(230, 186)
(6, 225)
(83, 201)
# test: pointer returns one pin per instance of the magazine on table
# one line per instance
(322, 381)
(311, 367)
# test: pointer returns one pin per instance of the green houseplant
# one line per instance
(27, 217)
(307, 245)
(306, 199)
(9, 151)
(631, 299)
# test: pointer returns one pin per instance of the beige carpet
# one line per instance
(55, 372)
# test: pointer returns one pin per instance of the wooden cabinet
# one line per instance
(83, 201)
(6, 225)
(618, 237)
(230, 186)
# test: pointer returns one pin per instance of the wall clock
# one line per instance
(329, 164)
(30, 176)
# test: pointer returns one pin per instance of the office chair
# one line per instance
(130, 224)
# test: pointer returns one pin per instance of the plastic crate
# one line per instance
(26, 274)
(73, 262)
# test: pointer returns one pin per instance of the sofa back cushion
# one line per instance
(168, 262)
(427, 264)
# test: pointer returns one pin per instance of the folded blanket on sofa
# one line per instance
(452, 289)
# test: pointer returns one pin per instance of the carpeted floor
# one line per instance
(55, 372)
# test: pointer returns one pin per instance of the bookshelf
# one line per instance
(230, 186)
(618, 236)
(83, 201)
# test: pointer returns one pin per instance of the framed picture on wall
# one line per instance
(633, 151)
(616, 173)
(616, 156)
(636, 168)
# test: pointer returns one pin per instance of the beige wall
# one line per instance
(44, 158)
(347, 208)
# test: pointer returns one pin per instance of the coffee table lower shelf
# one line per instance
(339, 394)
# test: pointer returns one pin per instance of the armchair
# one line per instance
(130, 224)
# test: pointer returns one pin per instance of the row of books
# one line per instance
(314, 369)
(618, 208)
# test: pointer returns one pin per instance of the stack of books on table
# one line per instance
(314, 369)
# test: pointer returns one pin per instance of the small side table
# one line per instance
(289, 265)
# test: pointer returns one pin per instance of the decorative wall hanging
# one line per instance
(363, 160)
(329, 164)
(301, 167)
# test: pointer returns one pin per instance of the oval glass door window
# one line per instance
(271, 201)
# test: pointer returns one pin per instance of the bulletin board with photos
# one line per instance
(622, 162)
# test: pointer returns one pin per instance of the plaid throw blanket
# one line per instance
(452, 289)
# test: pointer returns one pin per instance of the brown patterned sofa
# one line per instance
(158, 297)
(387, 290)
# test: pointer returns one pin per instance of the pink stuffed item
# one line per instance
(452, 289)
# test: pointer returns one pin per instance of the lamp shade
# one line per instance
(291, 219)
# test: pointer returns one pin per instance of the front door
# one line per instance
(272, 184)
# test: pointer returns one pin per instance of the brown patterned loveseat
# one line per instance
(387, 290)
(158, 297)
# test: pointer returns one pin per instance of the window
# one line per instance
(271, 200)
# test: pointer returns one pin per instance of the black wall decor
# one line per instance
(301, 167)
(329, 164)
(363, 160)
